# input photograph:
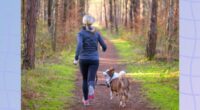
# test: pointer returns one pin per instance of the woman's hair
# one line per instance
(87, 22)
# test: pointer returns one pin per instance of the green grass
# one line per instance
(160, 82)
(159, 79)
(49, 86)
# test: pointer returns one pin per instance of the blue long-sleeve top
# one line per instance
(87, 45)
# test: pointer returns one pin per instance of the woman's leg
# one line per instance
(93, 67)
(84, 70)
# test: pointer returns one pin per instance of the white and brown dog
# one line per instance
(119, 85)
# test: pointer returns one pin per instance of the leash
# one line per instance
(96, 80)
(101, 84)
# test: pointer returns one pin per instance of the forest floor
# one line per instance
(102, 100)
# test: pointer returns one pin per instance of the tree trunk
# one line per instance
(176, 16)
(52, 10)
(176, 29)
(101, 13)
(143, 21)
(136, 8)
(30, 34)
(45, 10)
(122, 16)
(126, 11)
(49, 13)
(115, 15)
(81, 10)
(72, 15)
(105, 14)
(54, 26)
(110, 16)
(170, 30)
(131, 14)
(23, 20)
(65, 10)
(41, 9)
(152, 34)
(86, 6)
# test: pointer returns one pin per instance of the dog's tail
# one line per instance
(121, 73)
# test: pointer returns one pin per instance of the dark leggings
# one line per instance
(88, 69)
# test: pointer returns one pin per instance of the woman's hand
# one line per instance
(75, 62)
(103, 49)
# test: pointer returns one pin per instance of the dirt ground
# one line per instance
(102, 98)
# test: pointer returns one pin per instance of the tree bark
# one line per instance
(81, 10)
(86, 6)
(110, 15)
(131, 14)
(41, 9)
(101, 13)
(65, 11)
(136, 8)
(52, 11)
(45, 10)
(115, 15)
(49, 13)
(152, 34)
(143, 21)
(30, 34)
(170, 30)
(23, 19)
(105, 14)
(54, 26)
(126, 11)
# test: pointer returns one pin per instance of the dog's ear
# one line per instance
(111, 70)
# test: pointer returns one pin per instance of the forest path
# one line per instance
(102, 98)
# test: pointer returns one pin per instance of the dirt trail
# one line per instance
(102, 98)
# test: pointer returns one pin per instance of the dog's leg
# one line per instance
(120, 98)
(124, 99)
(121, 103)
(124, 105)
(111, 95)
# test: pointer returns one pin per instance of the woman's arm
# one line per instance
(102, 43)
(78, 46)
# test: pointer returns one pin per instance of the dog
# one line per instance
(119, 85)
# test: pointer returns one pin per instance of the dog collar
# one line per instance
(115, 75)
